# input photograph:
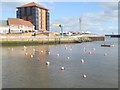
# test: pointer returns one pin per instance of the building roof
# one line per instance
(16, 21)
(32, 4)
(3, 23)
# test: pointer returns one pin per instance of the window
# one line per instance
(21, 26)
(25, 11)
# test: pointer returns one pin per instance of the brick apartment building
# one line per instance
(36, 14)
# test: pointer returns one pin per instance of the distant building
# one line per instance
(4, 27)
(19, 25)
(15, 25)
(36, 14)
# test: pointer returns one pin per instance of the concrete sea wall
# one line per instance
(53, 40)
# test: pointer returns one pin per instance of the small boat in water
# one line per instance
(107, 45)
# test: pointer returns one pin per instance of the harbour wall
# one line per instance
(49, 40)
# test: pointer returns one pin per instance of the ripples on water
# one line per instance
(25, 67)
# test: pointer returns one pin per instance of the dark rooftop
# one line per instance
(32, 4)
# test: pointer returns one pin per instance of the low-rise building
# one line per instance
(19, 25)
(15, 25)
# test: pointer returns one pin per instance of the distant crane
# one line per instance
(59, 25)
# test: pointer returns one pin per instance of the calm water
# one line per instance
(21, 70)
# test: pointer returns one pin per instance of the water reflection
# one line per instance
(56, 66)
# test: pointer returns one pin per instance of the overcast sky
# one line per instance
(97, 17)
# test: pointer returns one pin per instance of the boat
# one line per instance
(107, 45)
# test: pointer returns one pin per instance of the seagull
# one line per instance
(47, 63)
(31, 56)
(41, 51)
(82, 61)
(66, 48)
(25, 47)
(49, 52)
(62, 68)
(26, 53)
(58, 55)
(84, 76)
(105, 54)
(68, 57)
(90, 52)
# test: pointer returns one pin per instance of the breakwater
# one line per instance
(114, 36)
(50, 40)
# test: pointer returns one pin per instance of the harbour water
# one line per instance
(25, 66)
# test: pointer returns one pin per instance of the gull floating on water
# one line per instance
(49, 52)
(62, 68)
(25, 47)
(58, 55)
(105, 54)
(31, 56)
(47, 63)
(82, 61)
(90, 52)
(41, 51)
(26, 53)
(66, 48)
(84, 76)
(68, 57)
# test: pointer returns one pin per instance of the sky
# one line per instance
(97, 17)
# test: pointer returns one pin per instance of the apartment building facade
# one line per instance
(36, 14)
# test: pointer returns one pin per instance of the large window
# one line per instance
(28, 11)
(25, 11)
(22, 11)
